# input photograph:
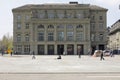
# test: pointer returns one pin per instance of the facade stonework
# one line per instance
(114, 36)
(49, 29)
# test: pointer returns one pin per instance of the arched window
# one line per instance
(41, 26)
(50, 26)
(79, 26)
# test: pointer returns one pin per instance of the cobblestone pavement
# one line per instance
(50, 64)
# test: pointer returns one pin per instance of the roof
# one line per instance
(95, 7)
(53, 5)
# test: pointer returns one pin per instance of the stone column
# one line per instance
(55, 49)
(75, 49)
(45, 49)
(65, 48)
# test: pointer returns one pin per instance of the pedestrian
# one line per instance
(111, 54)
(33, 57)
(2, 53)
(59, 53)
(102, 56)
(11, 53)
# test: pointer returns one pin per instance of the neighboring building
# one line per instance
(53, 28)
(114, 36)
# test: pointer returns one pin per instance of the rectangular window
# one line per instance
(69, 27)
(27, 17)
(100, 25)
(18, 17)
(100, 18)
(92, 26)
(70, 36)
(80, 14)
(19, 48)
(41, 36)
(27, 26)
(69, 15)
(51, 14)
(27, 38)
(79, 36)
(60, 36)
(18, 38)
(60, 26)
(41, 14)
(100, 37)
(60, 15)
(26, 48)
(18, 25)
(50, 36)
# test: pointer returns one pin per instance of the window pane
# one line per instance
(19, 48)
(27, 37)
(69, 27)
(18, 38)
(18, 25)
(50, 36)
(41, 36)
(18, 17)
(26, 48)
(27, 26)
(60, 36)
(70, 36)
(79, 36)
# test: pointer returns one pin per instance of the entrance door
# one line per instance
(50, 50)
(80, 49)
(60, 49)
(101, 47)
(40, 49)
(70, 49)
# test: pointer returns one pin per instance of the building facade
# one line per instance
(49, 29)
(114, 36)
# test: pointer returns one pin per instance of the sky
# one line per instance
(6, 6)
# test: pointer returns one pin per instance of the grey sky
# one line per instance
(6, 17)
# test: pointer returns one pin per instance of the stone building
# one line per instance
(114, 36)
(54, 28)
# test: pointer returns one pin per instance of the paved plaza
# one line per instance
(70, 67)
(50, 64)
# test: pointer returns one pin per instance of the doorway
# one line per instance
(40, 49)
(80, 48)
(60, 49)
(70, 49)
(50, 49)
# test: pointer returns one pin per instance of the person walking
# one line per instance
(102, 56)
(11, 53)
(33, 57)
(111, 54)
(59, 54)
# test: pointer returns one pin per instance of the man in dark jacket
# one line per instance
(101, 56)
